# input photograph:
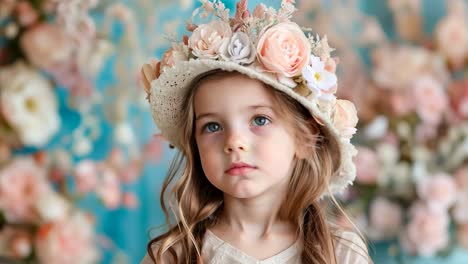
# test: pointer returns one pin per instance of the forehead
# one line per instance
(232, 90)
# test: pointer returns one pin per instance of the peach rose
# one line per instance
(284, 49)
(207, 40)
(345, 118)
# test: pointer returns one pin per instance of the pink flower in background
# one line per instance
(427, 231)
(367, 166)
(284, 49)
(46, 45)
(430, 99)
(425, 132)
(438, 190)
(86, 176)
(69, 241)
(22, 182)
(385, 218)
(452, 39)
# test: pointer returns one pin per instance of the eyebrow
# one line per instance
(254, 107)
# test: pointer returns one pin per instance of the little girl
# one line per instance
(263, 143)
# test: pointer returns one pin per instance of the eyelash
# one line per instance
(205, 127)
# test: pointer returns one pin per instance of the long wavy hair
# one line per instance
(192, 204)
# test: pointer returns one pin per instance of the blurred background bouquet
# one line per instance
(55, 114)
(409, 80)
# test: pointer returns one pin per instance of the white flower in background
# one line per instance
(239, 49)
(29, 104)
(51, 206)
(320, 81)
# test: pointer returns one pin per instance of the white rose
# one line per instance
(29, 105)
(239, 49)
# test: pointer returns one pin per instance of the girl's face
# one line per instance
(245, 148)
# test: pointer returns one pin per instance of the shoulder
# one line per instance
(350, 248)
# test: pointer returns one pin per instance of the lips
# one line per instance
(239, 168)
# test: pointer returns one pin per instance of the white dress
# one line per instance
(350, 249)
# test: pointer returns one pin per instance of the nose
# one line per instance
(235, 142)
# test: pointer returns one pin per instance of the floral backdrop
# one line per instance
(81, 163)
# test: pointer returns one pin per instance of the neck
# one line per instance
(255, 216)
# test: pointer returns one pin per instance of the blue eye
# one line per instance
(212, 127)
(261, 121)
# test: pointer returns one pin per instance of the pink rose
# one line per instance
(46, 45)
(439, 190)
(452, 39)
(21, 183)
(207, 40)
(427, 231)
(68, 241)
(345, 118)
(367, 166)
(284, 49)
(430, 99)
(385, 218)
(130, 200)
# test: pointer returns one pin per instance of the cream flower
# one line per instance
(321, 82)
(239, 49)
(345, 118)
(284, 49)
(207, 39)
(29, 104)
